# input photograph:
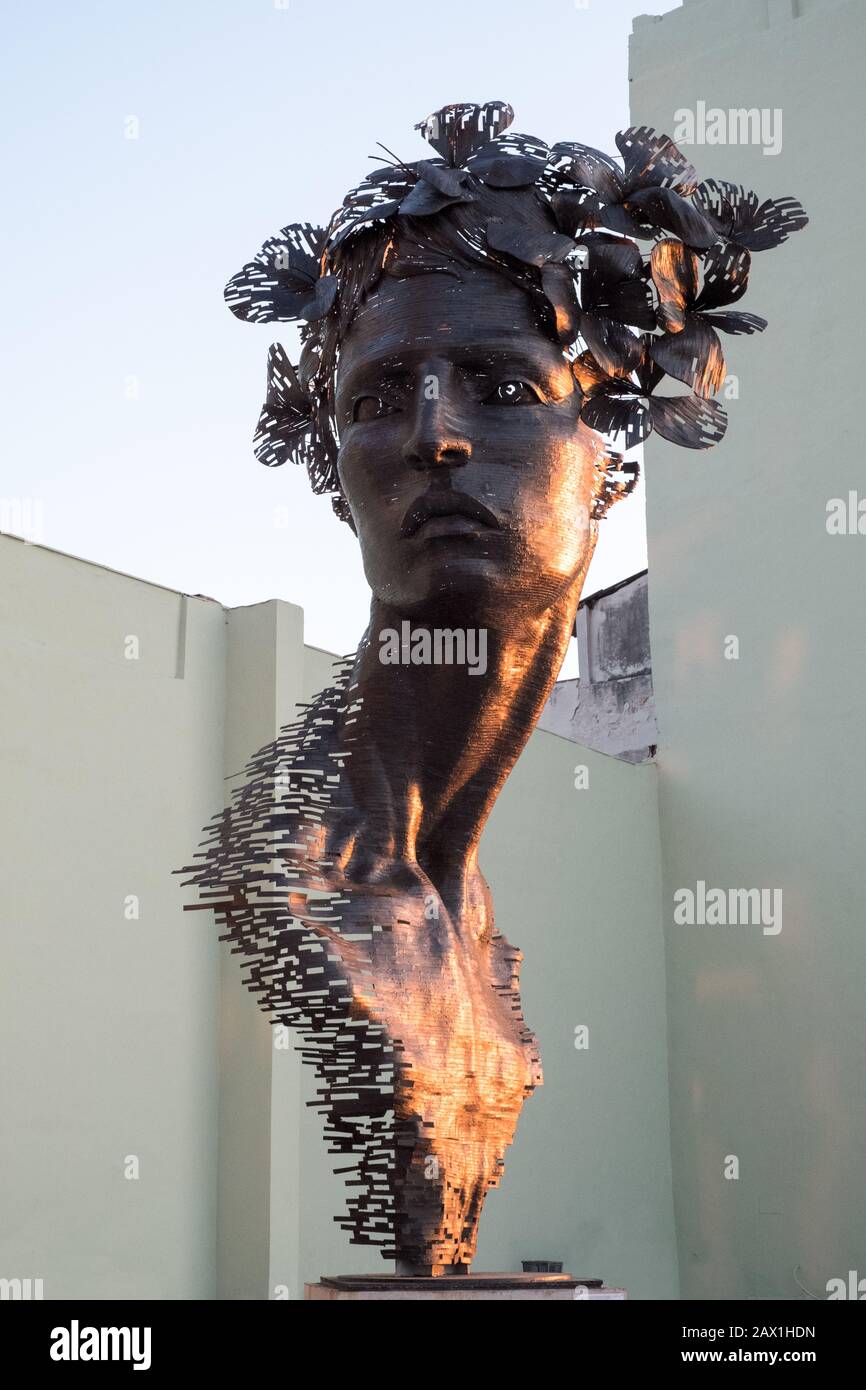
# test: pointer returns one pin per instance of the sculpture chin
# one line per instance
(469, 580)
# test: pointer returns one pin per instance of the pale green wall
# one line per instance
(575, 876)
(108, 1025)
(259, 1162)
(761, 759)
(138, 1037)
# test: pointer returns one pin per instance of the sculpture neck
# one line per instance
(444, 715)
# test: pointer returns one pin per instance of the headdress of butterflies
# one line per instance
(625, 317)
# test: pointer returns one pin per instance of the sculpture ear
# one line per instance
(618, 479)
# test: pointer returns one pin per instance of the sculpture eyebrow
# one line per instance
(380, 368)
(390, 369)
(362, 381)
(520, 357)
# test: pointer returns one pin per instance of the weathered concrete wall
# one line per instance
(610, 706)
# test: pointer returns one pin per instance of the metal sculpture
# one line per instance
(480, 331)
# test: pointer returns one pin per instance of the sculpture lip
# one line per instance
(447, 504)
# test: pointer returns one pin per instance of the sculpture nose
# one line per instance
(435, 439)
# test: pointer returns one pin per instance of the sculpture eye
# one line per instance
(513, 393)
(371, 408)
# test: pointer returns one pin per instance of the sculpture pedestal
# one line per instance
(460, 1288)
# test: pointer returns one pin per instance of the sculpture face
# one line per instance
(452, 399)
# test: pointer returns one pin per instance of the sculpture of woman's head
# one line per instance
(463, 462)
(482, 334)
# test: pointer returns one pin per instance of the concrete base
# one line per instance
(461, 1288)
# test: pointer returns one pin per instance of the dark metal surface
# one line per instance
(381, 1283)
(481, 336)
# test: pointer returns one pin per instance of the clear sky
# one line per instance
(131, 392)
